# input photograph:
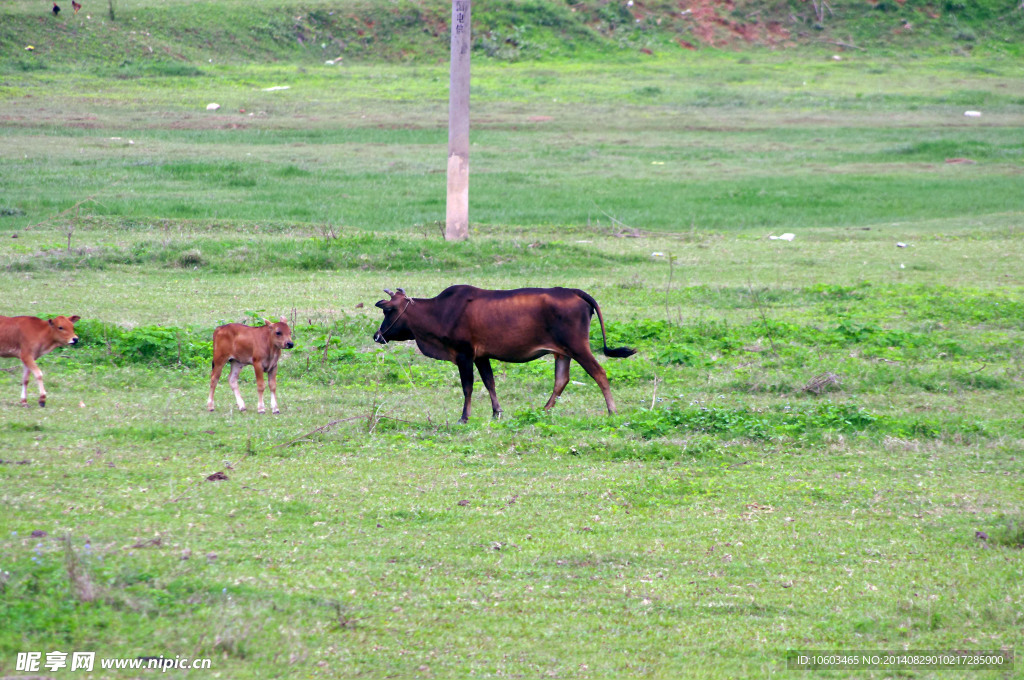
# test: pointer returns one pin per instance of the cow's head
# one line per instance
(280, 334)
(63, 329)
(395, 326)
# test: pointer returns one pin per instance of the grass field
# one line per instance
(808, 440)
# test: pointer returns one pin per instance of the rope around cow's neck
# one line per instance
(391, 325)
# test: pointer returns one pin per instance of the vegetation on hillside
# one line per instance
(506, 30)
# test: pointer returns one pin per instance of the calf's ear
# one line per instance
(74, 319)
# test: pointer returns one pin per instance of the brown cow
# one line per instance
(468, 325)
(259, 347)
(28, 338)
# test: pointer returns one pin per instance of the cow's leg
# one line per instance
(484, 366)
(465, 365)
(31, 367)
(236, 367)
(214, 377)
(260, 385)
(24, 385)
(596, 371)
(272, 379)
(561, 378)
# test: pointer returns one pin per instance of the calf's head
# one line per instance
(63, 329)
(280, 334)
(395, 326)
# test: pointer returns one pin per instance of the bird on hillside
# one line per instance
(56, 9)
(76, 6)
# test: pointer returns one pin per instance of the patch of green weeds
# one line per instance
(159, 345)
(782, 422)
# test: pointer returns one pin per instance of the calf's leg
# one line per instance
(260, 408)
(31, 367)
(236, 367)
(24, 386)
(272, 379)
(214, 377)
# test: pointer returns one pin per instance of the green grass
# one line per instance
(808, 440)
(724, 516)
(829, 145)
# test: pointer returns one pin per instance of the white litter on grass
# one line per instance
(277, 87)
(212, 107)
(657, 254)
(972, 114)
(901, 244)
(783, 237)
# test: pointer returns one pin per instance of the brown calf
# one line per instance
(28, 338)
(259, 347)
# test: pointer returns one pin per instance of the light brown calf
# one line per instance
(28, 338)
(259, 347)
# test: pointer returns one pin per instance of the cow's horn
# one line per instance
(389, 292)
(402, 291)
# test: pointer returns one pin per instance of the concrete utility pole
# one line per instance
(457, 218)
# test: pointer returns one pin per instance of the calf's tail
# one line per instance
(615, 352)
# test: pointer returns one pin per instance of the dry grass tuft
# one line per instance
(823, 383)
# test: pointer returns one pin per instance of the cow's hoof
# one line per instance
(496, 415)
(42, 403)
(261, 411)
(241, 409)
(277, 411)
(463, 421)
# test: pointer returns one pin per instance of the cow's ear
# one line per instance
(266, 321)
(49, 321)
(74, 319)
(380, 303)
(284, 320)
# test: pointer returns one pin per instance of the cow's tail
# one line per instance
(615, 352)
